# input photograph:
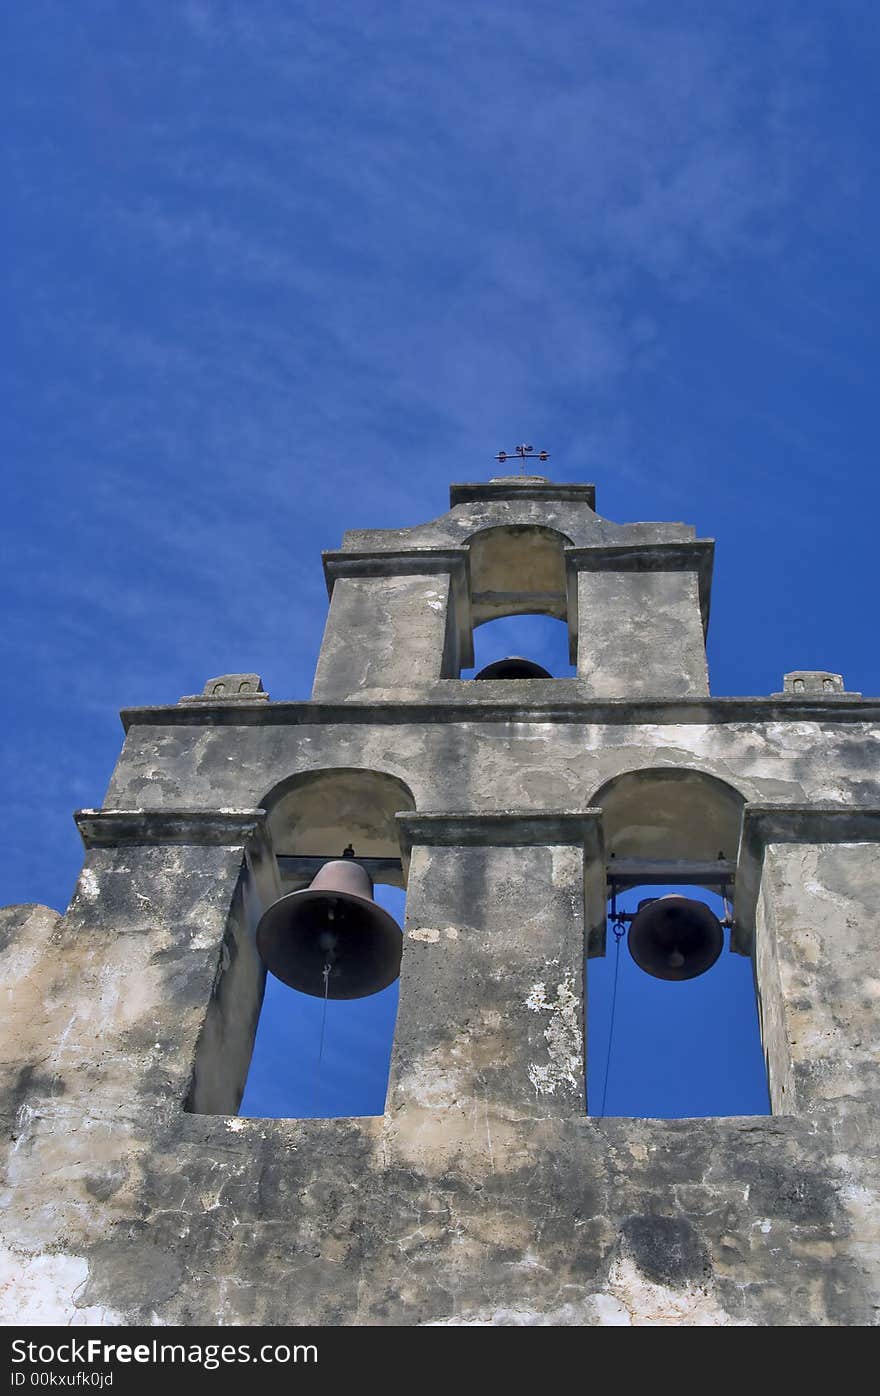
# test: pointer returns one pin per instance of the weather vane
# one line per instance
(525, 453)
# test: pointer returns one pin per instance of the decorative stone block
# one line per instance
(813, 683)
(231, 688)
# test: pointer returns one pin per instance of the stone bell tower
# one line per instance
(487, 1193)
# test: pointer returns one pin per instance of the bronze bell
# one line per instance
(514, 667)
(333, 922)
(675, 937)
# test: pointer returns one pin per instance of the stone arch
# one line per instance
(674, 829)
(319, 812)
(670, 814)
(312, 815)
(517, 569)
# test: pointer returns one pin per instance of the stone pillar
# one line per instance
(490, 1029)
(637, 618)
(160, 944)
(396, 620)
(808, 898)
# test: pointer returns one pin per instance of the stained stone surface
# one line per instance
(818, 682)
(485, 1194)
(230, 688)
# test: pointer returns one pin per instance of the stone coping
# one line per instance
(397, 562)
(526, 701)
(119, 828)
(515, 487)
(500, 828)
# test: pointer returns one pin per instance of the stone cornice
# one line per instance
(401, 562)
(514, 489)
(472, 703)
(499, 828)
(680, 555)
(118, 828)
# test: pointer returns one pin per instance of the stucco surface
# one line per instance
(486, 1194)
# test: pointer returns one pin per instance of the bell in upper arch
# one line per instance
(514, 667)
(675, 937)
(332, 937)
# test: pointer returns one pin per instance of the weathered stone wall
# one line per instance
(484, 1194)
(635, 596)
(383, 632)
(640, 633)
(499, 757)
(131, 1190)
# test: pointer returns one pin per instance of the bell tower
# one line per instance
(509, 807)
(403, 605)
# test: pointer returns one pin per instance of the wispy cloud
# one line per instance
(285, 270)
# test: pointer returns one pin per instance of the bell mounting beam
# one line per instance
(624, 873)
(304, 866)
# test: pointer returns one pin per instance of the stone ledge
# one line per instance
(522, 487)
(470, 705)
(401, 562)
(117, 828)
(679, 556)
(499, 828)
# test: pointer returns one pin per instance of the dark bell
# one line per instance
(333, 921)
(675, 937)
(514, 667)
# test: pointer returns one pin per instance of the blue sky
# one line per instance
(277, 269)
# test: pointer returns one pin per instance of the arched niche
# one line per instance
(672, 830)
(317, 813)
(311, 1058)
(669, 814)
(540, 639)
(517, 569)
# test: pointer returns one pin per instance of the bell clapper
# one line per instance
(328, 941)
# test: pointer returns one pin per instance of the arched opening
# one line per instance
(318, 813)
(314, 1056)
(657, 1046)
(517, 569)
(519, 604)
(671, 815)
(538, 638)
